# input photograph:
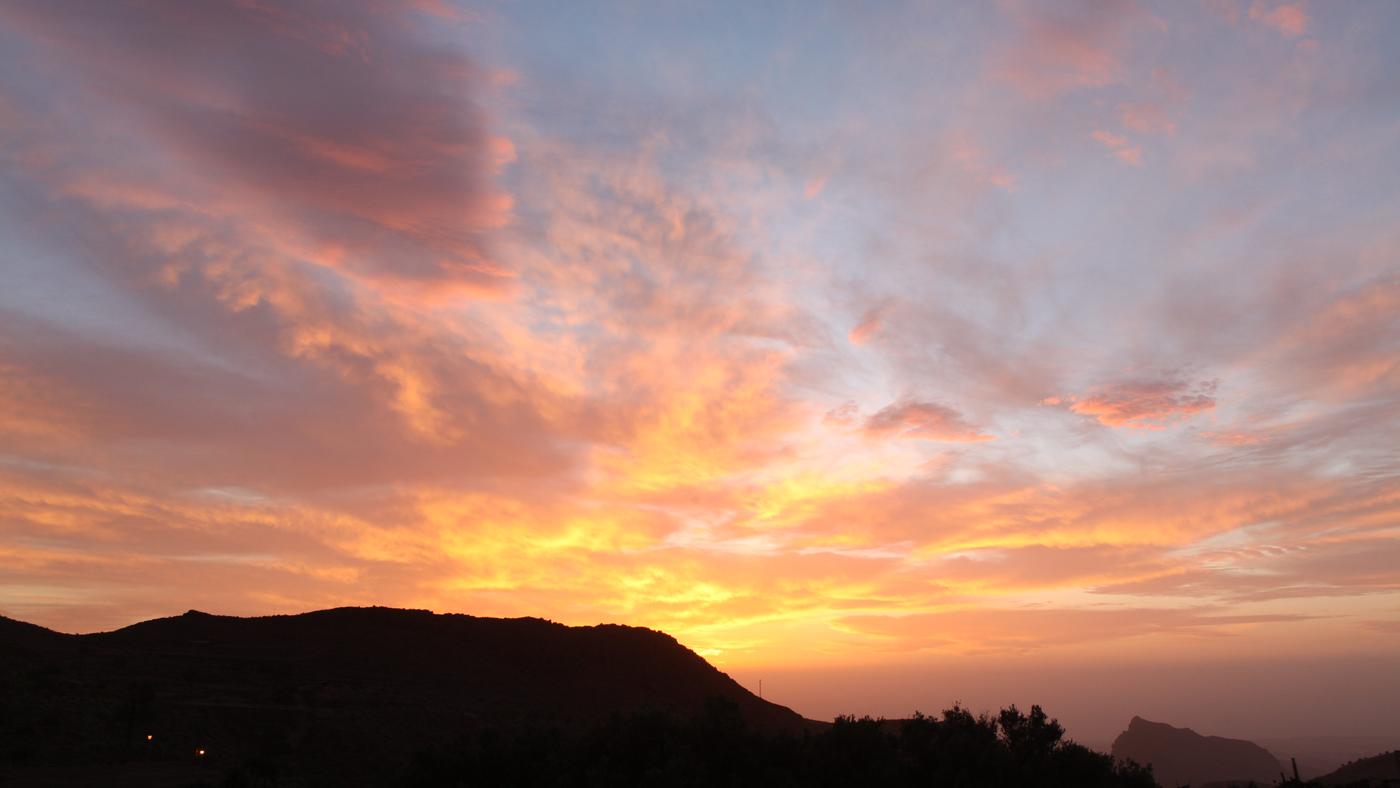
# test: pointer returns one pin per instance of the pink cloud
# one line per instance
(1120, 147)
(842, 415)
(1290, 19)
(1250, 435)
(923, 421)
(1146, 118)
(1068, 47)
(976, 162)
(869, 325)
(1141, 404)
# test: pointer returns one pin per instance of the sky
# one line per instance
(892, 353)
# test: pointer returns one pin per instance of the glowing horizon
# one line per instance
(812, 336)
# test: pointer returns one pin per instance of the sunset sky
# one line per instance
(837, 341)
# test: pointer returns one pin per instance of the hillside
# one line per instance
(334, 683)
(1319, 755)
(1376, 770)
(1179, 756)
(383, 697)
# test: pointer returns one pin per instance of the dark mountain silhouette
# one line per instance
(373, 678)
(1180, 756)
(499, 669)
(1378, 770)
(376, 696)
(19, 634)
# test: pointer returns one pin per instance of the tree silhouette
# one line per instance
(958, 750)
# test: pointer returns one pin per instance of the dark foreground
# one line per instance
(376, 696)
(715, 748)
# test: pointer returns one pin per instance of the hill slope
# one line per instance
(335, 682)
(1319, 755)
(1179, 756)
(1378, 769)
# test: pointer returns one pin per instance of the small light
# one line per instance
(199, 753)
(149, 737)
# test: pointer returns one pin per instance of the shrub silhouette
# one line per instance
(958, 749)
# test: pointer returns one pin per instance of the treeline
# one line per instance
(717, 749)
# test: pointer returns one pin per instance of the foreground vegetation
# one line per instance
(717, 749)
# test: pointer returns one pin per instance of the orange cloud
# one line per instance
(36, 413)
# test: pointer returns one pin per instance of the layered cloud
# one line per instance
(345, 136)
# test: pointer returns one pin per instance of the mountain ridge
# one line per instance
(442, 646)
(335, 683)
(1181, 755)
(1380, 769)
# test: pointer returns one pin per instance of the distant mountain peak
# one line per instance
(1181, 755)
